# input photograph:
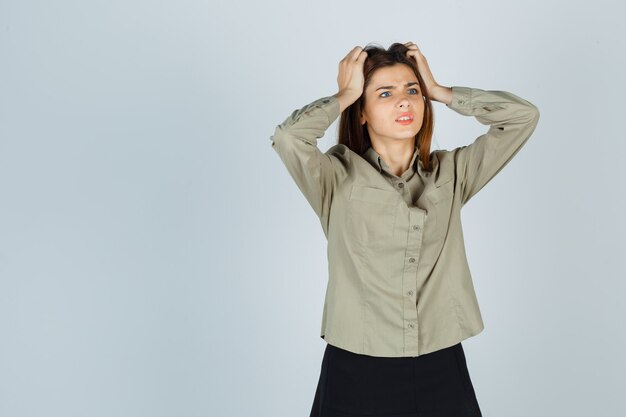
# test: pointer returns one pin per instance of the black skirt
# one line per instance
(435, 384)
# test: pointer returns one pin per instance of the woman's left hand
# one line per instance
(435, 91)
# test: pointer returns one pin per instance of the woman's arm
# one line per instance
(295, 141)
(512, 121)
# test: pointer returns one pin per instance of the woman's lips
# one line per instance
(405, 122)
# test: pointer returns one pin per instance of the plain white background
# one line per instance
(156, 259)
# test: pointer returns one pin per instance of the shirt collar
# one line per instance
(378, 162)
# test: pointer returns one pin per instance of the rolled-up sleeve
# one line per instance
(512, 121)
(295, 141)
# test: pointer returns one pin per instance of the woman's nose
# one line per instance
(404, 103)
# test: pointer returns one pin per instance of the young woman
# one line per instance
(400, 297)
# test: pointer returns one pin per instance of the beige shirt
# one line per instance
(399, 283)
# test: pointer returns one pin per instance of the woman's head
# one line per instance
(392, 87)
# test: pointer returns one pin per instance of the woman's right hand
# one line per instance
(350, 79)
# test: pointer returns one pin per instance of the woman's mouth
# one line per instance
(405, 119)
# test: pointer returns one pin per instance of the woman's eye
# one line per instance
(410, 89)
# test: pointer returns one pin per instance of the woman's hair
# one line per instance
(354, 135)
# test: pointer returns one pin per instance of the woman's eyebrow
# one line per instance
(391, 87)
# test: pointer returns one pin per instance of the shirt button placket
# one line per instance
(409, 282)
(404, 191)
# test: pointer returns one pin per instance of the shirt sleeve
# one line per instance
(512, 121)
(295, 141)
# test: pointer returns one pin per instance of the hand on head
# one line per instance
(350, 79)
(422, 66)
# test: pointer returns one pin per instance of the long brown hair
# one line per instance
(354, 135)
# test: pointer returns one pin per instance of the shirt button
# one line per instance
(416, 227)
(461, 101)
(411, 325)
(411, 260)
(410, 292)
(400, 185)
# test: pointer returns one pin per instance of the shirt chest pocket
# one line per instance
(440, 207)
(442, 195)
(372, 213)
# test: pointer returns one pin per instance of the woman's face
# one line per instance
(387, 97)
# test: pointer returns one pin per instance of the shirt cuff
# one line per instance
(330, 105)
(461, 98)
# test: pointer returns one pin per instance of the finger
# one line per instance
(356, 51)
(351, 54)
(359, 53)
(414, 52)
